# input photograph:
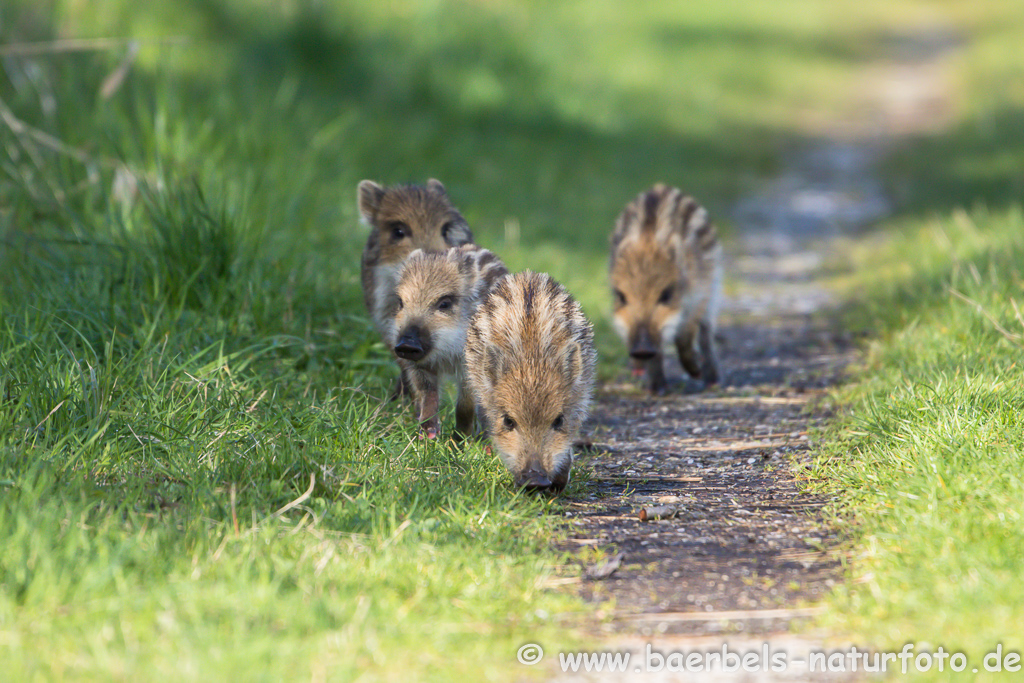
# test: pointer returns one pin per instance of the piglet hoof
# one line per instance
(428, 433)
(488, 451)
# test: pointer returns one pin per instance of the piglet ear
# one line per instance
(435, 186)
(368, 196)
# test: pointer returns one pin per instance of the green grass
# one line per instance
(181, 361)
(549, 117)
(183, 349)
(155, 424)
(927, 462)
(976, 161)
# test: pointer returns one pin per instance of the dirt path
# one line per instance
(746, 552)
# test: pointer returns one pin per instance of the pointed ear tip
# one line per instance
(368, 196)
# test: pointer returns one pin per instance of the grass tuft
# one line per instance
(192, 252)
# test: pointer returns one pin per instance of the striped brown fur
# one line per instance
(665, 270)
(530, 358)
(436, 296)
(402, 218)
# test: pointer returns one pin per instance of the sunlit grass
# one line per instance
(926, 462)
(198, 475)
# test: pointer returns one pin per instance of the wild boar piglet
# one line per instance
(530, 357)
(666, 278)
(402, 218)
(436, 295)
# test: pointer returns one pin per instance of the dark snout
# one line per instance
(533, 479)
(536, 479)
(412, 344)
(644, 346)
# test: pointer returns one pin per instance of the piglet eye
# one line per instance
(445, 303)
(445, 230)
(398, 302)
(558, 422)
(399, 230)
(620, 298)
(666, 295)
(509, 423)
